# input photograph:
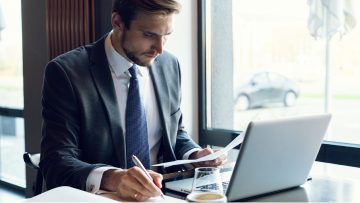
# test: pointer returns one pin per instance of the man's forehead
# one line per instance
(159, 24)
(153, 18)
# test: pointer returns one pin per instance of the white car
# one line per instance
(264, 88)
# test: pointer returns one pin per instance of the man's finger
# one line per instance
(136, 195)
(157, 178)
(142, 183)
(146, 182)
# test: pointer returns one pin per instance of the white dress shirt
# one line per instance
(121, 77)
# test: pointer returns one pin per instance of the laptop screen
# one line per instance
(275, 155)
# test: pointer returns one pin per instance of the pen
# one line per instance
(138, 163)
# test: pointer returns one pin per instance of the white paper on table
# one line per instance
(238, 140)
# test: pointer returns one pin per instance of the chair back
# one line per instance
(33, 160)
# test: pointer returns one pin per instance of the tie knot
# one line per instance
(132, 71)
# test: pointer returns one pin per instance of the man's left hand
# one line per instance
(213, 163)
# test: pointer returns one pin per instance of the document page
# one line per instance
(238, 140)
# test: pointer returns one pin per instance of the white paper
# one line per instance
(238, 140)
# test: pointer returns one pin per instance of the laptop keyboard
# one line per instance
(214, 186)
(185, 185)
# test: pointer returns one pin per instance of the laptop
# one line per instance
(275, 155)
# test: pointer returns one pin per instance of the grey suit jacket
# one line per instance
(81, 122)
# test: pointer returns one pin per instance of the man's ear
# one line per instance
(116, 22)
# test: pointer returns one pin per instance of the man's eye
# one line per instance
(146, 34)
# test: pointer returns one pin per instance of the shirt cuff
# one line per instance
(186, 156)
(188, 153)
(93, 181)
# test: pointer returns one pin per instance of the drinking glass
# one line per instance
(207, 186)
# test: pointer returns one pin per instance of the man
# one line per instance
(90, 127)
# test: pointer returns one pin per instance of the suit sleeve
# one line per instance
(60, 153)
(184, 143)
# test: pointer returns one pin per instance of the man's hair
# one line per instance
(128, 9)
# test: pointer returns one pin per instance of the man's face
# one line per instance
(144, 40)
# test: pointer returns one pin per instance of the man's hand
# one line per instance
(213, 163)
(131, 184)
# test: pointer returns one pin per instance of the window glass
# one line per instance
(12, 167)
(11, 81)
(262, 52)
(12, 142)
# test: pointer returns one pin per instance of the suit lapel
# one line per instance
(162, 94)
(163, 99)
(103, 81)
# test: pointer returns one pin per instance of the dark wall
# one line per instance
(103, 17)
(35, 57)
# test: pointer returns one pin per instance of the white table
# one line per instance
(69, 194)
(330, 183)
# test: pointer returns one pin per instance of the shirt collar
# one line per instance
(119, 64)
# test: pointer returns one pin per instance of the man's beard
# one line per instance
(130, 55)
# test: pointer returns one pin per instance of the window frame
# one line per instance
(330, 152)
(11, 112)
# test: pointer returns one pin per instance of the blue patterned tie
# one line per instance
(135, 119)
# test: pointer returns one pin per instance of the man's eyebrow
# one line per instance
(156, 34)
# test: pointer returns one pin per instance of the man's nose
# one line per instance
(159, 44)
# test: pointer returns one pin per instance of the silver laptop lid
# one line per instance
(276, 155)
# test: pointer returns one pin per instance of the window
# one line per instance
(12, 167)
(258, 61)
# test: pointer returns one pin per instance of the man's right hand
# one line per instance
(131, 184)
